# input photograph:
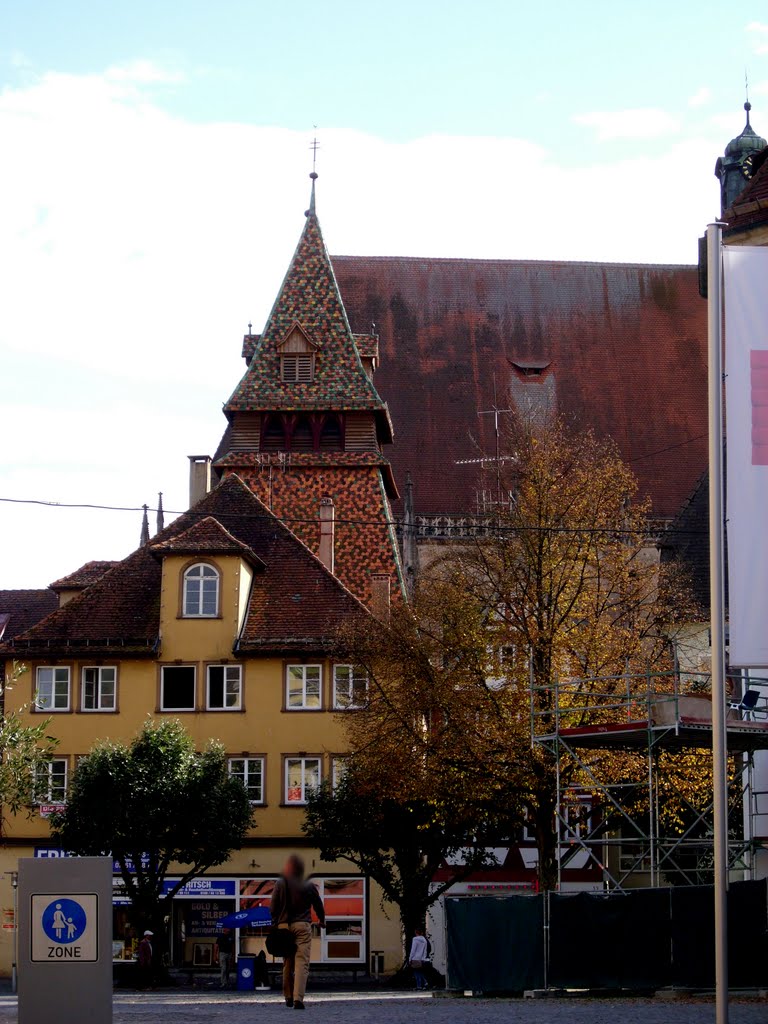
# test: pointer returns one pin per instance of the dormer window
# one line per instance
(201, 592)
(297, 356)
(298, 368)
(531, 367)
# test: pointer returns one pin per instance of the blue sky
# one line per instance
(155, 175)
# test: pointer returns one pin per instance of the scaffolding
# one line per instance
(610, 807)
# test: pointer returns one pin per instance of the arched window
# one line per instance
(201, 592)
(273, 438)
(330, 435)
(301, 438)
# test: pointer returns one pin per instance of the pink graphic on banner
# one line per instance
(758, 361)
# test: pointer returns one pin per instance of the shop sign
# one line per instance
(46, 810)
(202, 887)
(202, 917)
(51, 853)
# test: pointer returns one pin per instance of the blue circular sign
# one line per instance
(64, 921)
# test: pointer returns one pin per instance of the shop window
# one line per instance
(51, 782)
(302, 776)
(350, 687)
(344, 902)
(177, 687)
(52, 693)
(201, 592)
(99, 689)
(303, 687)
(224, 688)
(250, 771)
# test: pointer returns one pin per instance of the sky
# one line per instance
(154, 177)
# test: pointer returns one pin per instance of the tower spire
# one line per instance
(160, 513)
(144, 527)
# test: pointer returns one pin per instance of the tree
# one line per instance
(153, 803)
(25, 751)
(563, 584)
(400, 843)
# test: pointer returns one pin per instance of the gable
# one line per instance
(296, 341)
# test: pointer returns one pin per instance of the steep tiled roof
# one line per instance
(21, 609)
(295, 602)
(205, 537)
(84, 576)
(310, 297)
(625, 345)
(751, 208)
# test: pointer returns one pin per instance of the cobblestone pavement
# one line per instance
(381, 1008)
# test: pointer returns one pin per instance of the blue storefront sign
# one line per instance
(54, 852)
(203, 887)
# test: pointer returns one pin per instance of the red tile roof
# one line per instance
(84, 576)
(21, 609)
(625, 344)
(295, 604)
(309, 297)
(205, 537)
(751, 208)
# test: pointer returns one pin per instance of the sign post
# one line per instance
(65, 940)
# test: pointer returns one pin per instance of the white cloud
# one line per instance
(701, 97)
(638, 123)
(758, 30)
(144, 72)
(136, 246)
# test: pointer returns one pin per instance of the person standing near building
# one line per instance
(293, 900)
(225, 944)
(144, 957)
(417, 958)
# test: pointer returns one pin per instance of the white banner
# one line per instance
(746, 390)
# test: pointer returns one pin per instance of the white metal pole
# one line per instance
(717, 614)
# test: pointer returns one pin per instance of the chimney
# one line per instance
(327, 533)
(380, 598)
(199, 478)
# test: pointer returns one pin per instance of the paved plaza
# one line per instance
(370, 1008)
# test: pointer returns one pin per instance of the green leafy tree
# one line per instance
(153, 803)
(401, 843)
(25, 751)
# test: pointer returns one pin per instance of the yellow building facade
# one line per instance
(228, 618)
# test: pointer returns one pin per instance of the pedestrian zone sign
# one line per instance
(65, 928)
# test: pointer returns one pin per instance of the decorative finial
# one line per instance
(144, 527)
(747, 104)
(315, 145)
(250, 331)
(160, 513)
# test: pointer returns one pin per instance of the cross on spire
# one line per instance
(314, 146)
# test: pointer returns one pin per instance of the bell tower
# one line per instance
(734, 169)
(307, 428)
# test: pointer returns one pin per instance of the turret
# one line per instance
(735, 168)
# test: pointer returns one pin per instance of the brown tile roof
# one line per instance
(205, 537)
(310, 297)
(84, 576)
(21, 609)
(625, 344)
(296, 604)
(751, 208)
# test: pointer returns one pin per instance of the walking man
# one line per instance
(293, 900)
(145, 960)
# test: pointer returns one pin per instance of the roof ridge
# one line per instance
(517, 262)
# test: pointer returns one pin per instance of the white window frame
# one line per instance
(328, 902)
(228, 670)
(246, 760)
(305, 790)
(54, 670)
(303, 669)
(48, 797)
(162, 688)
(212, 574)
(354, 675)
(99, 670)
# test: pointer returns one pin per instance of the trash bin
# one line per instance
(245, 973)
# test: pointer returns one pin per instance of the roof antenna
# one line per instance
(314, 146)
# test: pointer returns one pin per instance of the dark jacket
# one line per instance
(294, 901)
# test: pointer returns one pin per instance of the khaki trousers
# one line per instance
(296, 967)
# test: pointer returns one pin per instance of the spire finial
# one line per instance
(160, 513)
(747, 104)
(314, 146)
(144, 527)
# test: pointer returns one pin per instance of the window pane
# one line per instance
(215, 686)
(254, 779)
(233, 691)
(210, 594)
(107, 690)
(311, 775)
(312, 699)
(295, 686)
(293, 789)
(178, 688)
(89, 689)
